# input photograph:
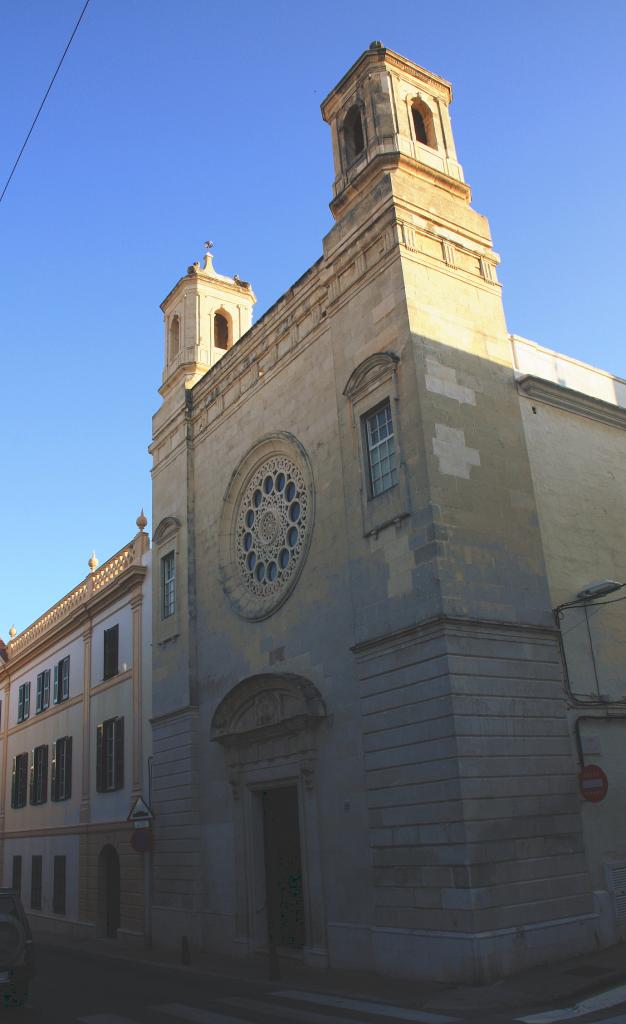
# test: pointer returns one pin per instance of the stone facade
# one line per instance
(361, 735)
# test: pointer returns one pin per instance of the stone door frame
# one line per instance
(268, 726)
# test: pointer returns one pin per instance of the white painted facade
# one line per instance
(117, 596)
(575, 424)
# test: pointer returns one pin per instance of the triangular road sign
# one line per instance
(140, 811)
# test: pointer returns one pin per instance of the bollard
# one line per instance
(185, 955)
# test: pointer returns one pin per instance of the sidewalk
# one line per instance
(563, 983)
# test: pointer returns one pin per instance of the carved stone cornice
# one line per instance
(448, 625)
(391, 161)
(560, 397)
(379, 58)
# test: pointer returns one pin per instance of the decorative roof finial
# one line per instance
(208, 256)
(141, 521)
(12, 632)
(93, 562)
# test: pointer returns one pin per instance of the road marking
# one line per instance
(611, 997)
(105, 1018)
(376, 1009)
(611, 1020)
(306, 1016)
(193, 1014)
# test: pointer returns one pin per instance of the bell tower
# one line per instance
(387, 112)
(205, 314)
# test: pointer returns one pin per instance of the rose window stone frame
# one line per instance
(267, 524)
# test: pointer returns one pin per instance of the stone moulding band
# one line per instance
(571, 401)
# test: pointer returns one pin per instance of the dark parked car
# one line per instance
(16, 950)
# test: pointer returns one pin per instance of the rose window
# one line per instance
(271, 526)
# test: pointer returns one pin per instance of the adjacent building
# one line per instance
(385, 535)
(74, 751)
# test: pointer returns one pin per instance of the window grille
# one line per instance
(16, 879)
(35, 881)
(58, 886)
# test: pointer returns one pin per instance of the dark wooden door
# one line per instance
(283, 867)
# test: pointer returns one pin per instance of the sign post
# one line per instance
(142, 841)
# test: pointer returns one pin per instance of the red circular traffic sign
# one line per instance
(141, 840)
(593, 783)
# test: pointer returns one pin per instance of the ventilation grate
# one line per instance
(617, 885)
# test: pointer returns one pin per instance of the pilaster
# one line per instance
(84, 812)
(136, 605)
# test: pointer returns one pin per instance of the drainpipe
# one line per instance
(147, 876)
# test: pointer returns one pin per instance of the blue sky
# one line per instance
(171, 123)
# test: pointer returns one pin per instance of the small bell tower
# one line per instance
(205, 314)
(388, 112)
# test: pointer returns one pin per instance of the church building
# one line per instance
(387, 554)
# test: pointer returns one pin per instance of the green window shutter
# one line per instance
(56, 684)
(27, 701)
(32, 777)
(14, 784)
(111, 652)
(100, 759)
(39, 698)
(53, 775)
(68, 767)
(20, 703)
(118, 752)
(44, 775)
(66, 677)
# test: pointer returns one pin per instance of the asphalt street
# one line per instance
(75, 989)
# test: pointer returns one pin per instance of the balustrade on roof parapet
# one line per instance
(97, 581)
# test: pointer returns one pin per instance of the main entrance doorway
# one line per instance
(283, 867)
(108, 892)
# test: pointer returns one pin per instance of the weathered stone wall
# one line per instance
(440, 829)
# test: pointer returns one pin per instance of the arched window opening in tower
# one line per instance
(221, 331)
(174, 337)
(422, 125)
(354, 136)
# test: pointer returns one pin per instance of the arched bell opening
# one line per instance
(353, 134)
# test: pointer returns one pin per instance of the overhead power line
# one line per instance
(41, 105)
